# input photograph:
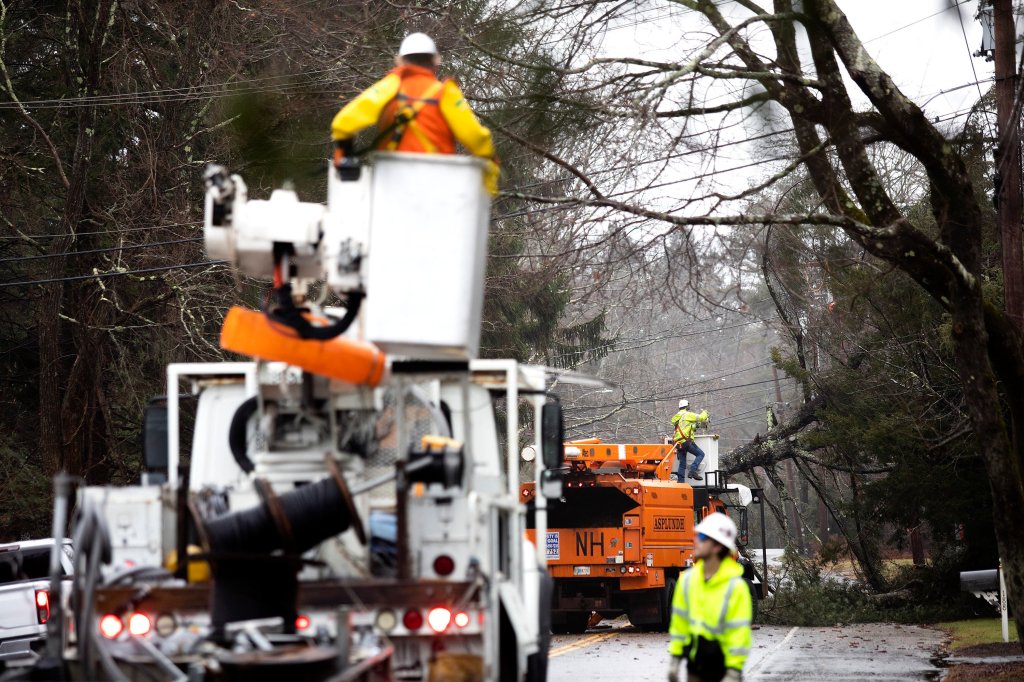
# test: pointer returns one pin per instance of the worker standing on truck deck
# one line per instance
(415, 112)
(711, 609)
(684, 423)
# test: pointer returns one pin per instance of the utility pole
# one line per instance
(1008, 159)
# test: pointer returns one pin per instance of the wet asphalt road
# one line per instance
(614, 650)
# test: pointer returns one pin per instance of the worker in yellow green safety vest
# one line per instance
(711, 609)
(684, 423)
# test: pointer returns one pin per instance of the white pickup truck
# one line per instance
(25, 595)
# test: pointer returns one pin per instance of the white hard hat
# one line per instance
(719, 528)
(683, 404)
(417, 43)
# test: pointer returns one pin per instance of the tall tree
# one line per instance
(109, 111)
(798, 62)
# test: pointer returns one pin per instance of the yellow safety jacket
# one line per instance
(718, 609)
(439, 112)
(685, 422)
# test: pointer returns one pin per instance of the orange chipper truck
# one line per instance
(623, 531)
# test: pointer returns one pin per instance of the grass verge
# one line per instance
(966, 633)
(981, 637)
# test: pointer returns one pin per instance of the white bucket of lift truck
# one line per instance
(708, 443)
(428, 247)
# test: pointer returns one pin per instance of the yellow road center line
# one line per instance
(570, 645)
(581, 643)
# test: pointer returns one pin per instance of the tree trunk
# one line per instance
(998, 441)
(52, 362)
(916, 545)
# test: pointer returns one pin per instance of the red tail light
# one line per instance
(301, 622)
(412, 620)
(439, 618)
(444, 565)
(461, 619)
(139, 624)
(111, 626)
(42, 606)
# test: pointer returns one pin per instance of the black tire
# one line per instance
(238, 434)
(754, 601)
(570, 623)
(508, 663)
(665, 607)
(537, 664)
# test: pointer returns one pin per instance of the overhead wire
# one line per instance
(285, 82)
(127, 247)
(199, 90)
(970, 57)
(99, 232)
(115, 273)
(917, 21)
(648, 399)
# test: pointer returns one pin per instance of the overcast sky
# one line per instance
(922, 46)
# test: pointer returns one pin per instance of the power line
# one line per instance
(285, 84)
(970, 58)
(917, 21)
(649, 398)
(100, 232)
(103, 275)
(129, 247)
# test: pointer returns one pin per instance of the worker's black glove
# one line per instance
(348, 166)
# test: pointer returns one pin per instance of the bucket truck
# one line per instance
(344, 502)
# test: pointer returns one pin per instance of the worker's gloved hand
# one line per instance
(673, 668)
(492, 171)
(732, 675)
(348, 167)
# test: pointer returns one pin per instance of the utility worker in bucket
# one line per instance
(414, 112)
(684, 423)
(711, 609)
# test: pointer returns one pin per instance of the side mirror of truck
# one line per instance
(743, 525)
(154, 441)
(552, 435)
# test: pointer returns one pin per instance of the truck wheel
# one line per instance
(754, 601)
(537, 664)
(664, 608)
(570, 623)
(238, 434)
(670, 593)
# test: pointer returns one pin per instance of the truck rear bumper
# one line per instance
(21, 647)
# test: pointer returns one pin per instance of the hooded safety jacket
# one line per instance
(685, 422)
(718, 609)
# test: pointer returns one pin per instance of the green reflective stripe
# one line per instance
(725, 602)
(730, 624)
(711, 630)
(682, 613)
(739, 651)
(678, 638)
